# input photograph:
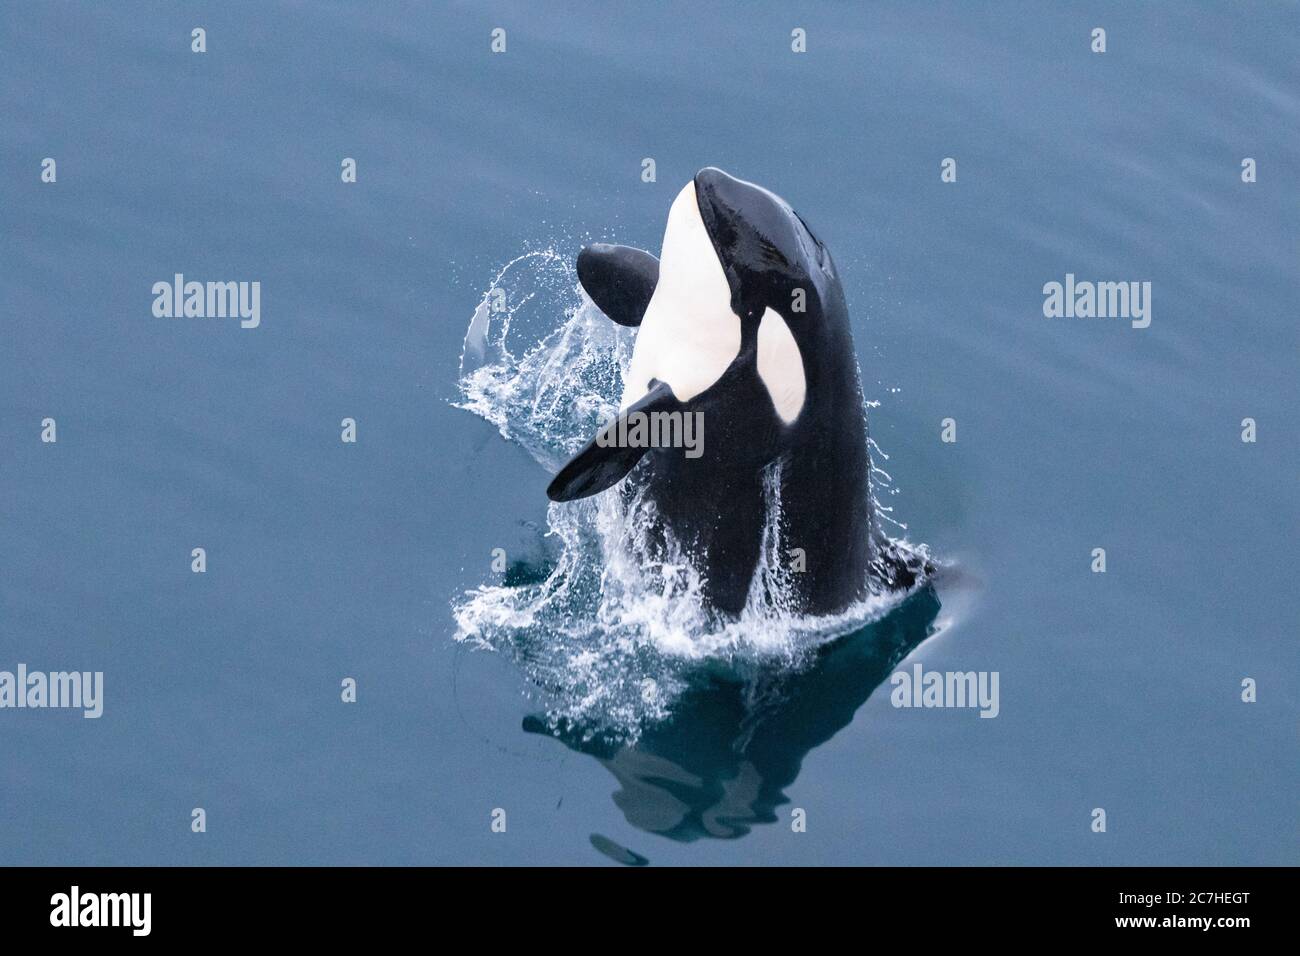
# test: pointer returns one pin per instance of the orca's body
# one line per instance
(743, 320)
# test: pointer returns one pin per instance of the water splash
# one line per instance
(606, 620)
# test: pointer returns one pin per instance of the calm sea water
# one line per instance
(1118, 690)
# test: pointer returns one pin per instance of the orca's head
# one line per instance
(766, 250)
(724, 318)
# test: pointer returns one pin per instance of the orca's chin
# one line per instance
(689, 335)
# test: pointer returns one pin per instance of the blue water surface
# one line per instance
(327, 560)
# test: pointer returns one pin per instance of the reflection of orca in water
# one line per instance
(741, 325)
(733, 744)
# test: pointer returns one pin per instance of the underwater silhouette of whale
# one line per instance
(743, 325)
(735, 741)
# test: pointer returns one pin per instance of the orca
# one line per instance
(742, 320)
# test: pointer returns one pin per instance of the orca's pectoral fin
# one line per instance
(603, 462)
(619, 279)
(593, 470)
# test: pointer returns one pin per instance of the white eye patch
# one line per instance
(689, 335)
(780, 366)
